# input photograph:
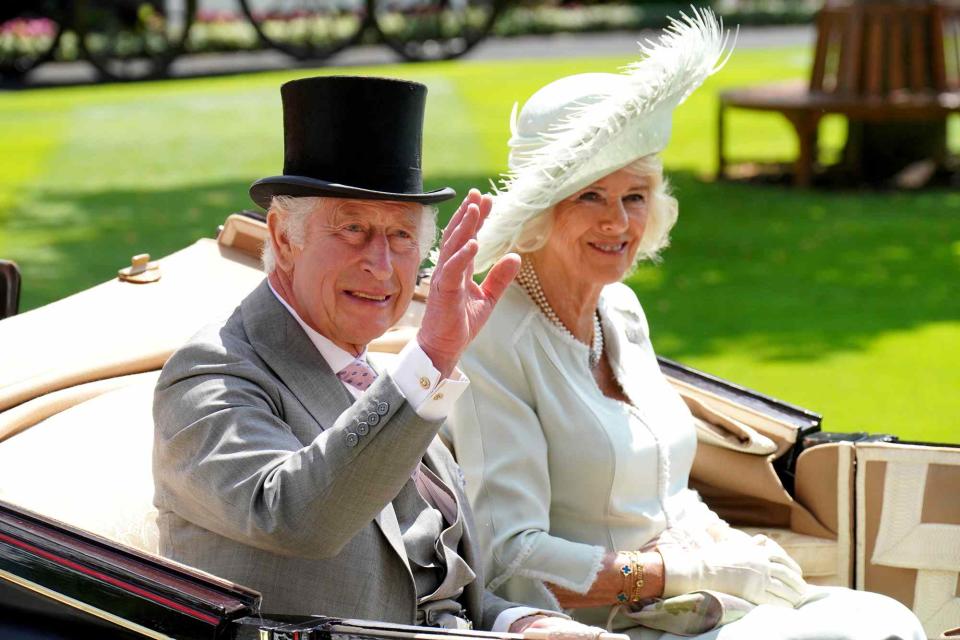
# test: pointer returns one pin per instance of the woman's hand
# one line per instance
(758, 571)
(774, 549)
(610, 582)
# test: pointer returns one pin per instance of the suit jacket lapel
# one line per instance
(390, 526)
(283, 345)
(281, 342)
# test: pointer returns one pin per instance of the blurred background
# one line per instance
(123, 133)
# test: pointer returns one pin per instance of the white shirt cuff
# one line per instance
(419, 381)
(508, 616)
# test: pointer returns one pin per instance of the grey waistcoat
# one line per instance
(431, 540)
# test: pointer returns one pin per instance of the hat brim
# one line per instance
(263, 190)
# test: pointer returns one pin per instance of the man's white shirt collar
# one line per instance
(431, 396)
(337, 358)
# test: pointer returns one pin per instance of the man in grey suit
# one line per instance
(282, 460)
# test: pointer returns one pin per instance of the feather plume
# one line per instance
(689, 51)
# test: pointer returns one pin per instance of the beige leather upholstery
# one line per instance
(27, 414)
(818, 557)
(908, 519)
(753, 496)
(76, 428)
(824, 487)
(118, 328)
(89, 465)
(815, 525)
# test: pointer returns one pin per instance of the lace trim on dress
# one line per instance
(512, 568)
(515, 568)
(569, 585)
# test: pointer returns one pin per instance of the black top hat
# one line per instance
(351, 137)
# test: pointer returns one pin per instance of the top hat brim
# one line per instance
(263, 190)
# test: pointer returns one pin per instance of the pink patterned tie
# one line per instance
(357, 374)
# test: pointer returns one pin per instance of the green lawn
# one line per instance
(845, 303)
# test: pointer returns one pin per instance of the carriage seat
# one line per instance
(89, 465)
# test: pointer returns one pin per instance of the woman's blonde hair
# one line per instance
(661, 215)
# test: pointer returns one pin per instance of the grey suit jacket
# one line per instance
(264, 478)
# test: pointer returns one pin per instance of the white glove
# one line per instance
(774, 550)
(758, 571)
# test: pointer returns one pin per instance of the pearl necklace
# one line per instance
(527, 278)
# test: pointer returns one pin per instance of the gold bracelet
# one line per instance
(637, 594)
(632, 572)
(626, 570)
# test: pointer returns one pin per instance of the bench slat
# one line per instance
(850, 50)
(824, 25)
(917, 51)
(897, 75)
(874, 61)
(937, 58)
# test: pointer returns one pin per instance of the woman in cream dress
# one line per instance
(576, 450)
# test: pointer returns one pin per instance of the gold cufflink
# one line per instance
(424, 382)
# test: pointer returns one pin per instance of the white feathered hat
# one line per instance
(578, 129)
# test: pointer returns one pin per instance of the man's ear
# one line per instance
(283, 249)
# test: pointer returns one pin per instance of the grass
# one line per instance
(843, 302)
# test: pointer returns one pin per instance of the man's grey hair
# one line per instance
(294, 212)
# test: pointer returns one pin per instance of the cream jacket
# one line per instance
(557, 472)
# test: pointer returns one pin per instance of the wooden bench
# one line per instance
(872, 63)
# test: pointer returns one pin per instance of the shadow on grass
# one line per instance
(796, 274)
(86, 236)
(789, 274)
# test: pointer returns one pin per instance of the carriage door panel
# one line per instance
(908, 528)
